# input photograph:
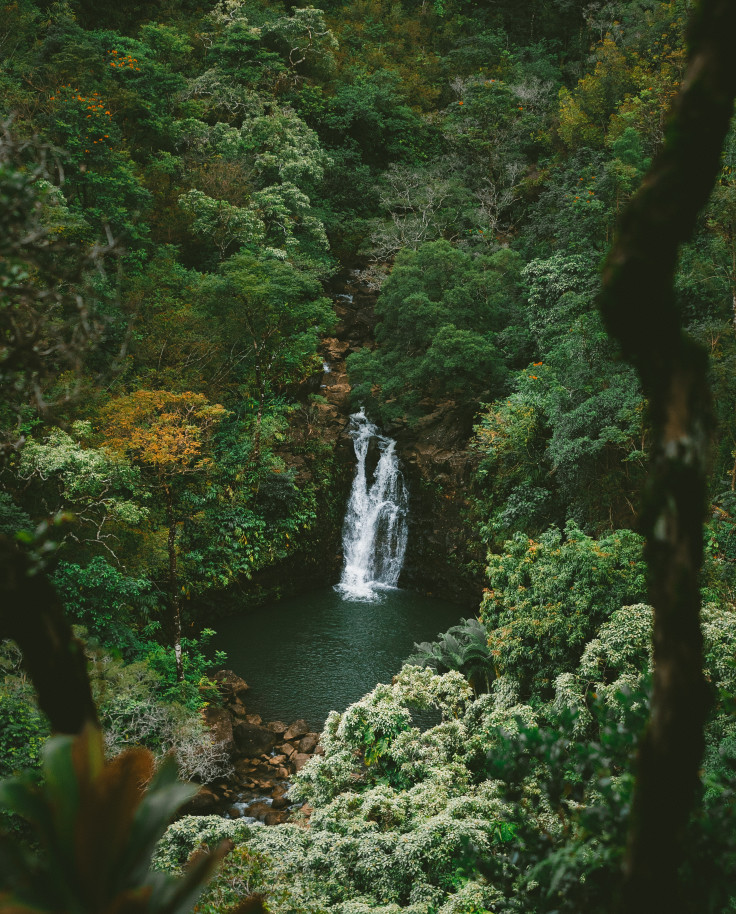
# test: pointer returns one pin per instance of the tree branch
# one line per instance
(639, 309)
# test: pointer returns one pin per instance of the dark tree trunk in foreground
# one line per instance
(32, 615)
(638, 306)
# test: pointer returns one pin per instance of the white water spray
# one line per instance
(375, 528)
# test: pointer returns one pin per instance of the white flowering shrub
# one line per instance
(395, 808)
(616, 662)
(420, 687)
(191, 833)
(622, 645)
(399, 811)
(385, 847)
(719, 636)
(324, 777)
(472, 898)
(505, 690)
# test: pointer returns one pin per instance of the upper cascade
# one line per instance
(375, 529)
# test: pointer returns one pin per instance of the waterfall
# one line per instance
(375, 528)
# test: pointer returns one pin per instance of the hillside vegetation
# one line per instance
(179, 182)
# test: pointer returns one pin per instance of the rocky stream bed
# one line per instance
(264, 757)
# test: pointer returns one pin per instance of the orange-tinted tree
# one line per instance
(168, 435)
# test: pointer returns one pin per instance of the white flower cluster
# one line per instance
(391, 824)
(191, 833)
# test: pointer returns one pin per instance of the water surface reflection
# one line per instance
(308, 655)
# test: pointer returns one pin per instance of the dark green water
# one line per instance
(306, 656)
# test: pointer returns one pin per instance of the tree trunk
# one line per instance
(32, 615)
(261, 399)
(174, 594)
(639, 309)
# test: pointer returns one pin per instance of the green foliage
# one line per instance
(568, 801)
(369, 116)
(24, 732)
(443, 315)
(102, 185)
(101, 490)
(105, 600)
(50, 305)
(547, 597)
(464, 648)
(196, 687)
(253, 514)
(13, 519)
(274, 312)
(231, 152)
(138, 707)
(571, 436)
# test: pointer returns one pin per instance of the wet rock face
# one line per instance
(220, 722)
(230, 686)
(439, 468)
(298, 729)
(308, 743)
(252, 740)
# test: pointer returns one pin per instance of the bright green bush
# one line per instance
(547, 597)
(105, 600)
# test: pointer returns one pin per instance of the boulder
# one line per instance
(298, 729)
(275, 817)
(204, 803)
(258, 810)
(277, 726)
(300, 760)
(302, 816)
(308, 743)
(280, 803)
(237, 708)
(230, 685)
(221, 726)
(252, 739)
(277, 760)
(254, 719)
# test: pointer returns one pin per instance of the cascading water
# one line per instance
(375, 528)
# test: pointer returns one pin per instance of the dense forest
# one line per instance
(172, 279)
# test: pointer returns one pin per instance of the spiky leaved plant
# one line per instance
(463, 647)
(96, 824)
